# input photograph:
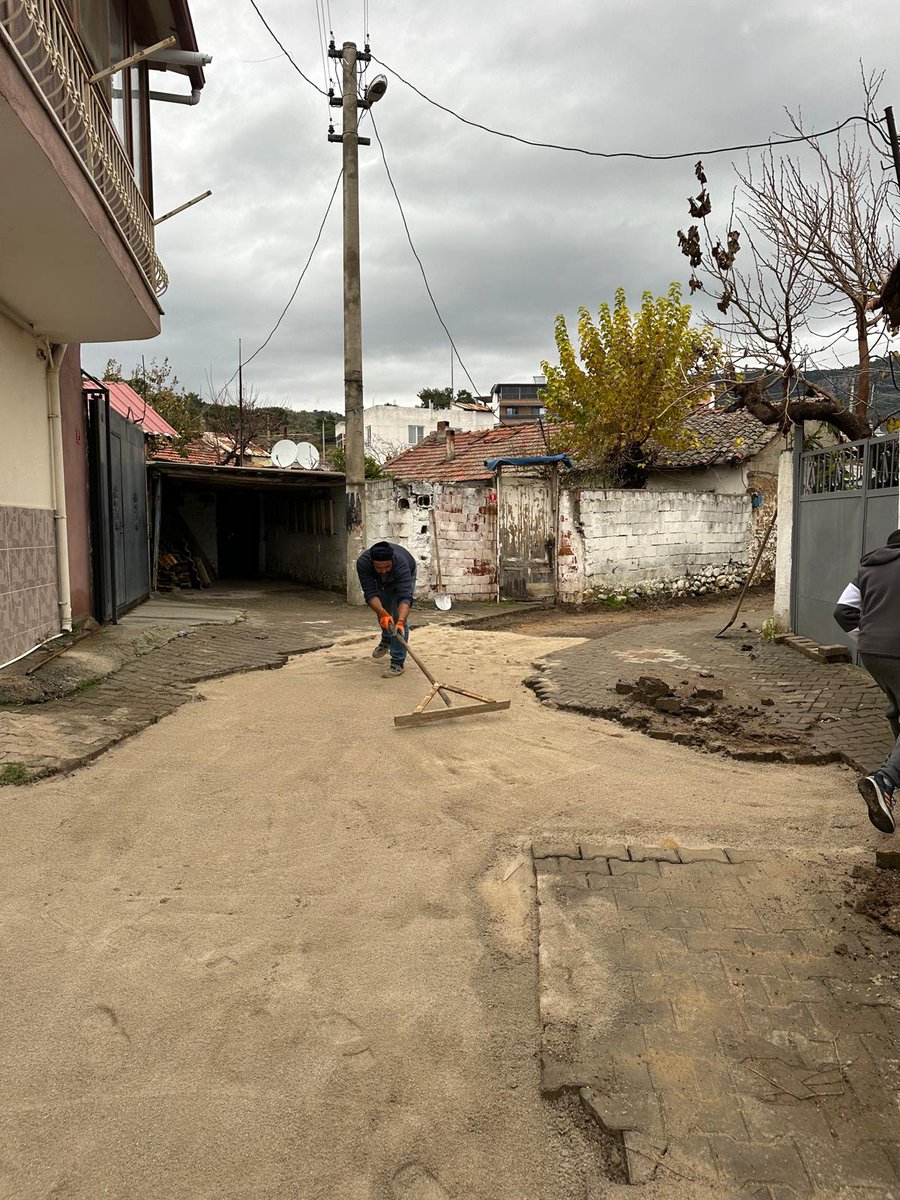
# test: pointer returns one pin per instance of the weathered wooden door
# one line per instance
(527, 522)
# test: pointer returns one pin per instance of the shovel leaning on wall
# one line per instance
(441, 599)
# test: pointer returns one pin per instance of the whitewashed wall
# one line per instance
(620, 542)
(611, 542)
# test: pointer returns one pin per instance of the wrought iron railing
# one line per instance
(40, 35)
(872, 465)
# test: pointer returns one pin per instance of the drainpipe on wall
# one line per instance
(55, 355)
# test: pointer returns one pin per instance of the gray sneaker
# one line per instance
(380, 650)
(393, 671)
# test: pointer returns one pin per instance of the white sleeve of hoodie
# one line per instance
(849, 599)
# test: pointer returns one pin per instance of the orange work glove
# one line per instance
(400, 629)
(386, 621)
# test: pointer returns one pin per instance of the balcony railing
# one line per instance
(39, 34)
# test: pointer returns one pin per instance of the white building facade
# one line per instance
(392, 428)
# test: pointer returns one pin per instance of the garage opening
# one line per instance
(214, 523)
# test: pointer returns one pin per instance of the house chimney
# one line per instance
(449, 440)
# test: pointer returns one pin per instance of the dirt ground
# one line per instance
(599, 622)
(274, 947)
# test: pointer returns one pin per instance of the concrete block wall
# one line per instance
(317, 559)
(613, 542)
(466, 516)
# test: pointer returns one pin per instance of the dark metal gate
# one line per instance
(119, 533)
(847, 504)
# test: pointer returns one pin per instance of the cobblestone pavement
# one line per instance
(278, 621)
(724, 1017)
(835, 711)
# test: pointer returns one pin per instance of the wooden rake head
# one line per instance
(421, 714)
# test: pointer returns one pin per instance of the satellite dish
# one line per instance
(307, 456)
(284, 453)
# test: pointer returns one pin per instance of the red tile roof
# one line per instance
(428, 460)
(128, 404)
(195, 451)
(712, 437)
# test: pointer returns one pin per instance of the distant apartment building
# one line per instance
(517, 403)
(392, 428)
(78, 265)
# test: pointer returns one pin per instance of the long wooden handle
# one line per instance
(752, 572)
(428, 675)
(437, 550)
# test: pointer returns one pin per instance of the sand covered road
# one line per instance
(275, 947)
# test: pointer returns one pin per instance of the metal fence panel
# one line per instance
(847, 505)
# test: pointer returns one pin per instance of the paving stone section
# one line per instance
(725, 1017)
(762, 701)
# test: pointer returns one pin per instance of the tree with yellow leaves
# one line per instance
(638, 377)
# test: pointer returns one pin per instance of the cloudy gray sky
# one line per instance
(509, 235)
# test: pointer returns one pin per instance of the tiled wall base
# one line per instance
(29, 613)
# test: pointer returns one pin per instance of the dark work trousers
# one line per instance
(391, 602)
(886, 673)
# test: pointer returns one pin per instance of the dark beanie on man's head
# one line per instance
(381, 552)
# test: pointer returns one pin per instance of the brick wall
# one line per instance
(467, 526)
(613, 542)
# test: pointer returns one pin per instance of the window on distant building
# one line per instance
(415, 434)
(542, 411)
(511, 410)
(368, 435)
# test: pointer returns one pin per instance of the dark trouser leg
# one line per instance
(886, 673)
(398, 651)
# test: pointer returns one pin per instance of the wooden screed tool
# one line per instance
(419, 716)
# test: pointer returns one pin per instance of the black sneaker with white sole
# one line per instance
(380, 650)
(392, 672)
(878, 792)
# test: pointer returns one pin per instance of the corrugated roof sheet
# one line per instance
(128, 404)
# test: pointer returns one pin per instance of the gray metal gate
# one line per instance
(120, 547)
(846, 505)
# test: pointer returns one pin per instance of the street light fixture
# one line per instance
(375, 90)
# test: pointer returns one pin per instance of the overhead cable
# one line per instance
(416, 254)
(286, 53)
(514, 137)
(274, 328)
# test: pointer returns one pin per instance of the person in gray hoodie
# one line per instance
(869, 608)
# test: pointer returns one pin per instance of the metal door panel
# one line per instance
(846, 505)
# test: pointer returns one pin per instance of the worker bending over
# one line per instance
(387, 576)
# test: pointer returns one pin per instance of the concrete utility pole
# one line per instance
(354, 431)
(354, 452)
(240, 454)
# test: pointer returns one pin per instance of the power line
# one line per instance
(323, 40)
(513, 137)
(287, 55)
(416, 254)
(274, 329)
